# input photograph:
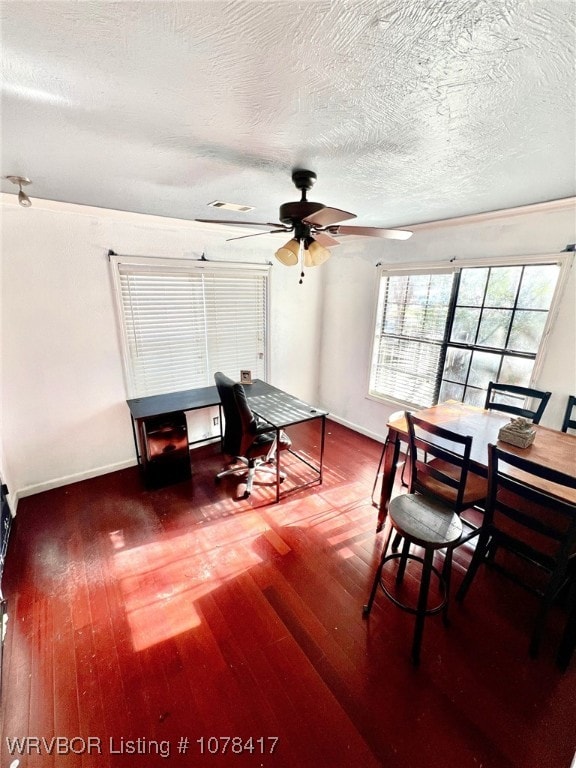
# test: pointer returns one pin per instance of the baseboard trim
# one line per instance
(30, 490)
(357, 428)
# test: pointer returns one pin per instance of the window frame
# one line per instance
(197, 265)
(564, 261)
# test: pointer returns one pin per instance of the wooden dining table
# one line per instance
(551, 447)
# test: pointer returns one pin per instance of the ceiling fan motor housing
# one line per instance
(293, 212)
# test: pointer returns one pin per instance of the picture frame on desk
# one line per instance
(246, 377)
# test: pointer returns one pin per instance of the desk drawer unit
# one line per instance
(164, 448)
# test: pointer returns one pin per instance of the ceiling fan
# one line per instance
(315, 227)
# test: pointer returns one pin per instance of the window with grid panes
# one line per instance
(183, 321)
(445, 335)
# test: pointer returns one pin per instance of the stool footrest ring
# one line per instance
(408, 608)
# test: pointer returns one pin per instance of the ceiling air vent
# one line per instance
(231, 206)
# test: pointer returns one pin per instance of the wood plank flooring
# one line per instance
(139, 618)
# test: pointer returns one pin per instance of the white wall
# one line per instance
(64, 415)
(349, 302)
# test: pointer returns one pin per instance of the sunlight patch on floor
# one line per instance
(161, 581)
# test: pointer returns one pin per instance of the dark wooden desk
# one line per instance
(160, 432)
(159, 408)
(187, 400)
(550, 447)
(271, 404)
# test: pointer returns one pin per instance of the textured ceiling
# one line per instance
(408, 110)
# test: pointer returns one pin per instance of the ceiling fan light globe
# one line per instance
(315, 255)
(288, 254)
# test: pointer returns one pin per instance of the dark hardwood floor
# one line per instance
(142, 617)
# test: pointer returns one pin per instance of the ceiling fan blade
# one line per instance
(389, 234)
(239, 223)
(326, 216)
(257, 234)
(325, 240)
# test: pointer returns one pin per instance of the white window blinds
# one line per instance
(182, 321)
(445, 334)
(410, 327)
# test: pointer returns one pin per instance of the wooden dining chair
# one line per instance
(568, 641)
(401, 464)
(510, 398)
(428, 516)
(569, 417)
(528, 513)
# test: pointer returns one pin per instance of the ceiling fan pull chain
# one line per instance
(301, 254)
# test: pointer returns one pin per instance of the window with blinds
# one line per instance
(410, 328)
(183, 321)
(445, 335)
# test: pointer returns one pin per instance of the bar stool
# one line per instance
(428, 516)
(432, 528)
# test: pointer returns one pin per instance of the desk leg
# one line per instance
(278, 454)
(322, 448)
(317, 469)
(136, 445)
(391, 454)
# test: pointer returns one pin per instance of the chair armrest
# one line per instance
(260, 426)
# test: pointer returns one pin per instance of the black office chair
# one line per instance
(428, 516)
(501, 397)
(569, 420)
(536, 525)
(250, 443)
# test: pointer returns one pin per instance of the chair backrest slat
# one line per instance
(540, 526)
(569, 420)
(439, 460)
(525, 503)
(496, 390)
